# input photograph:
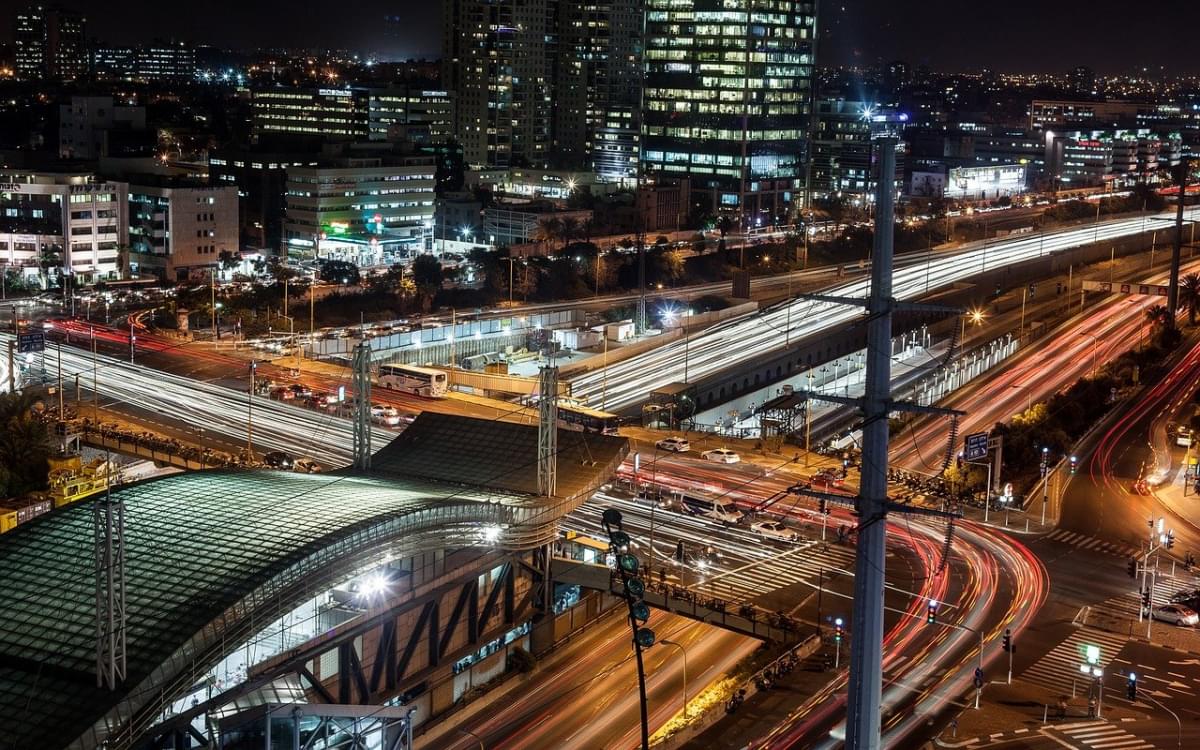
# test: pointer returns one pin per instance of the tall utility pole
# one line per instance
(866, 651)
(872, 505)
(362, 409)
(548, 431)
(640, 322)
(108, 524)
(1177, 247)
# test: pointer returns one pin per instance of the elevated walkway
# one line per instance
(738, 617)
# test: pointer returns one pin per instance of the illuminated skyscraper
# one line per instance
(50, 43)
(498, 58)
(727, 100)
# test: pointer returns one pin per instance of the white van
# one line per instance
(724, 511)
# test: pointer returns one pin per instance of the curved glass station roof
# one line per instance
(210, 553)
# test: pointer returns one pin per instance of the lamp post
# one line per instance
(1095, 346)
(682, 652)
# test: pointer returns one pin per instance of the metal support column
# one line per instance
(866, 647)
(1177, 246)
(108, 523)
(548, 431)
(362, 408)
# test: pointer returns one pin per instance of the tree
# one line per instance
(1189, 295)
(339, 272)
(548, 230)
(24, 445)
(427, 274)
(568, 230)
(229, 259)
(1158, 315)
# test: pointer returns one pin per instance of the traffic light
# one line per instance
(1170, 541)
(978, 678)
(1074, 464)
(1032, 289)
(1146, 598)
(679, 551)
(821, 506)
(838, 631)
(1131, 687)
(931, 612)
(1007, 640)
(1132, 567)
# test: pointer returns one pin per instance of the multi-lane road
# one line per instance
(629, 382)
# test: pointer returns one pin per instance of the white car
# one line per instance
(1177, 614)
(385, 415)
(774, 530)
(721, 456)
(674, 444)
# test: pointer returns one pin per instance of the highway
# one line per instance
(630, 382)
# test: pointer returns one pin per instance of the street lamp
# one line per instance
(683, 652)
(1095, 346)
(976, 317)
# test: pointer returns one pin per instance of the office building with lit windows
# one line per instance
(50, 43)
(178, 228)
(368, 210)
(498, 56)
(598, 86)
(727, 100)
(72, 222)
(327, 113)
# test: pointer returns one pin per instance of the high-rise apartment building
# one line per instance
(498, 58)
(727, 100)
(51, 42)
(597, 94)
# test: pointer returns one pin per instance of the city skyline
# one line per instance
(853, 32)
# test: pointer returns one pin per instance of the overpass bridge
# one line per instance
(213, 558)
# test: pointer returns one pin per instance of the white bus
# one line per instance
(574, 416)
(423, 381)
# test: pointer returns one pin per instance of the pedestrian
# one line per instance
(1092, 707)
(1062, 706)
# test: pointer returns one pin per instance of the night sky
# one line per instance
(1017, 35)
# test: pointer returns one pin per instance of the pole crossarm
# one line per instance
(917, 510)
(849, 501)
(926, 307)
(914, 408)
(818, 396)
(833, 299)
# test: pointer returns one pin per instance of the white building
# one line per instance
(985, 183)
(179, 229)
(85, 126)
(56, 222)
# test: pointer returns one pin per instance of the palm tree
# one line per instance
(569, 229)
(548, 230)
(24, 445)
(1189, 295)
(1158, 315)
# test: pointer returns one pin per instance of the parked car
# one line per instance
(278, 460)
(306, 466)
(828, 477)
(674, 444)
(721, 456)
(385, 415)
(774, 530)
(1177, 614)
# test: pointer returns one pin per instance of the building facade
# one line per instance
(727, 99)
(55, 223)
(179, 229)
(420, 116)
(335, 114)
(261, 181)
(51, 43)
(843, 155)
(598, 84)
(499, 57)
(92, 126)
(370, 211)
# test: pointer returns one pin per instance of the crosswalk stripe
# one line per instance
(1058, 670)
(1099, 736)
